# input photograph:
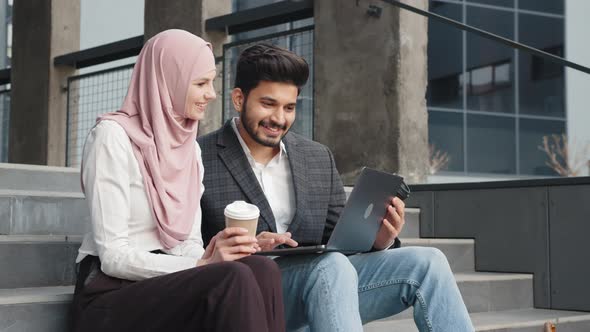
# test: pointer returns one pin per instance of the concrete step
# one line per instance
(460, 252)
(412, 226)
(523, 320)
(34, 177)
(485, 292)
(35, 261)
(35, 309)
(43, 212)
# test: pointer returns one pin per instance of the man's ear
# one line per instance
(237, 97)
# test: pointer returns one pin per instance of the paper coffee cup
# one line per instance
(242, 214)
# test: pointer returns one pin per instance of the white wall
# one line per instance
(577, 44)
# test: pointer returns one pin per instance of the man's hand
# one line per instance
(269, 241)
(391, 225)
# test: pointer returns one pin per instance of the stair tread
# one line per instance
(41, 193)
(490, 276)
(40, 238)
(408, 241)
(494, 320)
(36, 295)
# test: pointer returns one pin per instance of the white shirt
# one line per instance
(276, 182)
(123, 227)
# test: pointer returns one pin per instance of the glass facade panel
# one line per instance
(499, 3)
(541, 82)
(445, 134)
(547, 6)
(445, 60)
(485, 58)
(491, 146)
(532, 159)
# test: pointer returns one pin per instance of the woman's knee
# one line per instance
(261, 264)
(235, 272)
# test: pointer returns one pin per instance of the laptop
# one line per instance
(357, 227)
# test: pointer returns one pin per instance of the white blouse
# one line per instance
(123, 226)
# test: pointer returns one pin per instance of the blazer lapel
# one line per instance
(235, 160)
(297, 160)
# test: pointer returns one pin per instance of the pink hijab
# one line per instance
(164, 149)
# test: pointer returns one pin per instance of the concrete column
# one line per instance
(41, 31)
(370, 87)
(191, 15)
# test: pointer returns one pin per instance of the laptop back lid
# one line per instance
(361, 217)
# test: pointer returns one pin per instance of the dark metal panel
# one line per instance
(5, 76)
(105, 53)
(425, 202)
(260, 17)
(569, 212)
(510, 227)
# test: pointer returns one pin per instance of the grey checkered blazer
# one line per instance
(228, 177)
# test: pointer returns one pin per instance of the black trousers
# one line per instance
(244, 295)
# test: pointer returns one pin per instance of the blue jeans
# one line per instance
(333, 292)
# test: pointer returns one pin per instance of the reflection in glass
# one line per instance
(541, 82)
(499, 3)
(491, 144)
(548, 6)
(532, 159)
(445, 59)
(490, 64)
(445, 132)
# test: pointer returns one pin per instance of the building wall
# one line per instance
(578, 83)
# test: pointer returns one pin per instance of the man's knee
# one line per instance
(336, 264)
(431, 258)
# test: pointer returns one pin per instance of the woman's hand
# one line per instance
(229, 244)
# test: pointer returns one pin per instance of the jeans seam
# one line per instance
(403, 281)
(388, 283)
(425, 309)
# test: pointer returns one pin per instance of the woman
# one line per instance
(143, 266)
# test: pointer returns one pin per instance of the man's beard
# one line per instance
(249, 127)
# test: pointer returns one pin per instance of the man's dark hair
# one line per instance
(265, 62)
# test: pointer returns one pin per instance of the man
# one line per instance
(295, 184)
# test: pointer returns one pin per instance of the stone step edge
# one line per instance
(40, 193)
(425, 241)
(537, 319)
(490, 276)
(41, 238)
(36, 295)
(44, 168)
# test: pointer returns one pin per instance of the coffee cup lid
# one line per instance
(241, 210)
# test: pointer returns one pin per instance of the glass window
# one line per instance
(541, 82)
(445, 134)
(499, 3)
(548, 6)
(445, 59)
(532, 159)
(491, 144)
(490, 69)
